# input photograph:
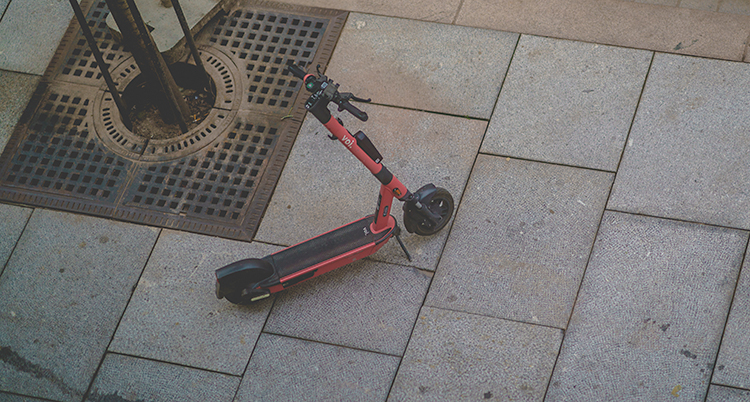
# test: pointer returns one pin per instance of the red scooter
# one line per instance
(426, 212)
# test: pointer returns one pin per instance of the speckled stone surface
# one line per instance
(567, 102)
(15, 92)
(365, 305)
(650, 313)
(126, 378)
(686, 154)
(733, 363)
(174, 315)
(718, 393)
(62, 294)
(394, 62)
(30, 32)
(455, 356)
(288, 369)
(521, 240)
(14, 221)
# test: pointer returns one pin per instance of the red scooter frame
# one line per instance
(426, 212)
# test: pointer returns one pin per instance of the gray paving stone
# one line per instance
(3, 6)
(30, 32)
(286, 369)
(16, 398)
(174, 315)
(366, 305)
(425, 10)
(455, 356)
(323, 186)
(733, 364)
(686, 156)
(15, 92)
(619, 23)
(741, 7)
(649, 316)
(62, 293)
(707, 5)
(14, 220)
(520, 242)
(421, 65)
(717, 393)
(126, 378)
(567, 102)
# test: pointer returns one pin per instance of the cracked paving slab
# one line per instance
(61, 296)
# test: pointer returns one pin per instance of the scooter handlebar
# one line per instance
(341, 99)
(353, 110)
(296, 71)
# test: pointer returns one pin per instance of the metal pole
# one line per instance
(190, 41)
(100, 62)
(138, 40)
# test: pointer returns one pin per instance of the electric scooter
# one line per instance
(426, 212)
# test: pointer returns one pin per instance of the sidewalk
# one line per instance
(597, 153)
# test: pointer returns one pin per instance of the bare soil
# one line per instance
(147, 120)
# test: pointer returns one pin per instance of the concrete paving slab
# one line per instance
(421, 65)
(366, 305)
(520, 242)
(174, 315)
(16, 398)
(61, 296)
(735, 7)
(425, 10)
(717, 393)
(14, 221)
(15, 92)
(669, 3)
(127, 378)
(705, 5)
(3, 6)
(616, 22)
(686, 154)
(30, 32)
(650, 313)
(286, 369)
(733, 363)
(567, 102)
(455, 356)
(323, 186)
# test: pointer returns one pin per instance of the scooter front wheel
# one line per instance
(441, 204)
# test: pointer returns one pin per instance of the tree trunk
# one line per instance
(138, 41)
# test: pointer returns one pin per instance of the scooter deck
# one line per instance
(326, 246)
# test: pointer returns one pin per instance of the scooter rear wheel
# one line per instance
(441, 204)
(251, 276)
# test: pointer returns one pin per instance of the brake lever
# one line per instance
(347, 96)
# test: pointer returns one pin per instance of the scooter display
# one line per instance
(426, 211)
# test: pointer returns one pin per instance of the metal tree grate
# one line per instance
(70, 150)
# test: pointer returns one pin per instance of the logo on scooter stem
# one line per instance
(397, 192)
(347, 141)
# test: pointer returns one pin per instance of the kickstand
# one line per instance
(403, 247)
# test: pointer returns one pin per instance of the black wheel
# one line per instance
(235, 280)
(250, 276)
(245, 297)
(441, 203)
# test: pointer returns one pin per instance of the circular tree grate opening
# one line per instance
(153, 140)
(197, 89)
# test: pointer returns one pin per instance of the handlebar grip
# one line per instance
(353, 110)
(296, 71)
